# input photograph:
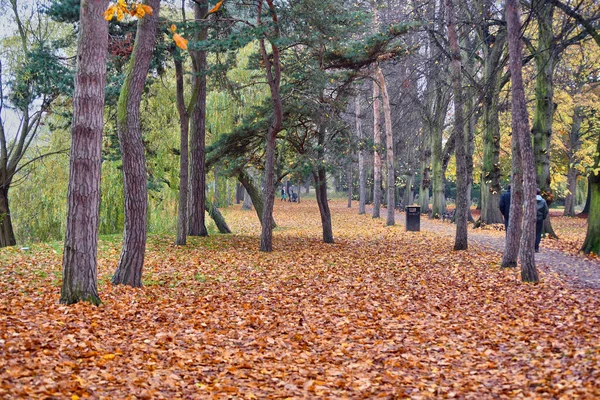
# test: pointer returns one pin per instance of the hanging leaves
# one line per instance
(121, 8)
(216, 7)
(180, 41)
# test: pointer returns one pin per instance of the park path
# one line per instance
(575, 269)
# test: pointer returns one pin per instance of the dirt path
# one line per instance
(577, 270)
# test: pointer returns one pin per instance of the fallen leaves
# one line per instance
(382, 312)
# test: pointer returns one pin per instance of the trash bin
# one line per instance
(413, 218)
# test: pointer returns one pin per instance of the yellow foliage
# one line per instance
(180, 41)
(121, 8)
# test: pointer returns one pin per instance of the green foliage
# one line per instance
(63, 10)
(40, 74)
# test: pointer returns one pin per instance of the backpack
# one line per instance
(542, 210)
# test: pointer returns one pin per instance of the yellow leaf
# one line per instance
(173, 28)
(109, 356)
(110, 12)
(120, 14)
(216, 8)
(180, 41)
(74, 397)
(139, 11)
(122, 3)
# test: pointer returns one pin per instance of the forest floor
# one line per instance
(380, 313)
(556, 255)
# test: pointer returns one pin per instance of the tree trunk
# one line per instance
(349, 183)
(7, 234)
(216, 216)
(408, 197)
(592, 237)
(247, 205)
(425, 168)
(255, 196)
(571, 189)
(131, 263)
(490, 174)
(376, 146)
(545, 60)
(513, 233)
(460, 216)
(197, 223)
(588, 198)
(520, 128)
(184, 125)
(391, 176)
(80, 274)
(273, 72)
(239, 193)
(574, 145)
(441, 106)
(321, 193)
(362, 175)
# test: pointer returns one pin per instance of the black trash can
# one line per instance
(413, 218)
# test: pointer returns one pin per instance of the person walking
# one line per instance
(542, 213)
(505, 206)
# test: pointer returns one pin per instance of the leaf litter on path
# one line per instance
(380, 313)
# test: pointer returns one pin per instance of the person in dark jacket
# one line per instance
(541, 214)
(505, 206)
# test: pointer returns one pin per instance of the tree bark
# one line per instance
(442, 100)
(591, 243)
(184, 125)
(588, 198)
(239, 193)
(376, 147)
(320, 177)
(391, 176)
(7, 234)
(349, 183)
(520, 128)
(273, 72)
(513, 234)
(490, 174)
(131, 263)
(247, 204)
(80, 274)
(545, 61)
(216, 216)
(460, 216)
(362, 174)
(255, 195)
(574, 145)
(197, 198)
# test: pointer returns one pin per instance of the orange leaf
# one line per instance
(173, 28)
(139, 11)
(180, 41)
(148, 9)
(216, 8)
